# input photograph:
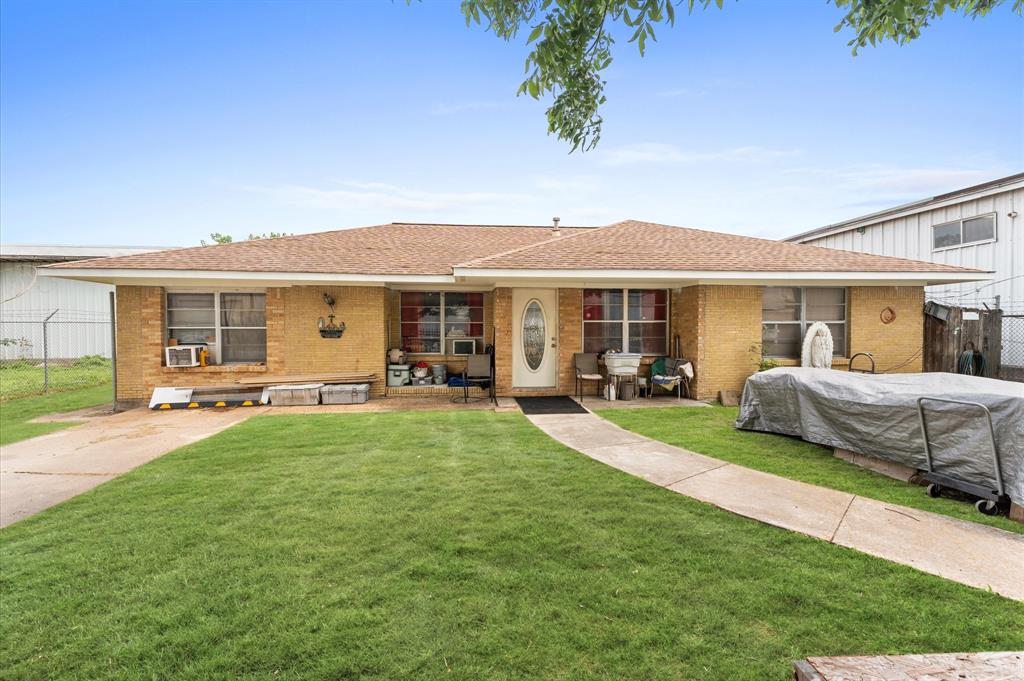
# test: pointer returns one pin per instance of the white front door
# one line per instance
(534, 338)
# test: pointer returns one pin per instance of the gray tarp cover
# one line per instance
(876, 414)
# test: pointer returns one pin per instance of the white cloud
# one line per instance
(451, 108)
(379, 196)
(654, 152)
(916, 180)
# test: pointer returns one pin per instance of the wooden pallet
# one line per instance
(935, 667)
(330, 378)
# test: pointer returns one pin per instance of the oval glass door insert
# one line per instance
(533, 334)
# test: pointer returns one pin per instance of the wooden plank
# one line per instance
(338, 377)
(995, 666)
(803, 671)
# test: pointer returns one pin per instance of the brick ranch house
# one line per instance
(630, 285)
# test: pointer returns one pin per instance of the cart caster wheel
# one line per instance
(986, 507)
(933, 490)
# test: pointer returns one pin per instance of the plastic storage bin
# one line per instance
(295, 395)
(345, 394)
(622, 362)
(398, 375)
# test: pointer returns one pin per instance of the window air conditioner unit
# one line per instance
(182, 355)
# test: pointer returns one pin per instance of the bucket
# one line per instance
(626, 390)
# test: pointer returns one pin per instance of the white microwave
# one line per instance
(464, 347)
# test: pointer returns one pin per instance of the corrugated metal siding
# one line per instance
(911, 237)
(79, 325)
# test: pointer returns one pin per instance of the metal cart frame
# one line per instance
(991, 501)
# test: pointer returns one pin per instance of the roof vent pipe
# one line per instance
(554, 227)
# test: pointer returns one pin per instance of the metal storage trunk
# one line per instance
(295, 395)
(345, 394)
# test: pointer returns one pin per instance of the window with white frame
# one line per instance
(787, 311)
(979, 229)
(232, 323)
(631, 320)
(432, 321)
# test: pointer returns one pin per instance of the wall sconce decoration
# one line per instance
(330, 328)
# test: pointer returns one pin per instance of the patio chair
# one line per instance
(479, 372)
(586, 370)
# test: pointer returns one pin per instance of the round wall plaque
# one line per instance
(888, 315)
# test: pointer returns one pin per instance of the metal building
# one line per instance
(82, 308)
(980, 226)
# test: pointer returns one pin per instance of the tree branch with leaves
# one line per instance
(572, 42)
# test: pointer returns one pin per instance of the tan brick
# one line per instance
(900, 342)
(294, 345)
(718, 326)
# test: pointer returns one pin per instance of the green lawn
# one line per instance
(24, 378)
(16, 414)
(710, 431)
(461, 545)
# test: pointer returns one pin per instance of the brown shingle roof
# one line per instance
(635, 245)
(396, 248)
(434, 249)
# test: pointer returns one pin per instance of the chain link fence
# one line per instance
(51, 351)
(1012, 368)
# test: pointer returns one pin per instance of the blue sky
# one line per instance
(156, 123)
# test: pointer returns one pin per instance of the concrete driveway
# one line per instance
(43, 471)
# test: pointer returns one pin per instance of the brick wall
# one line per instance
(503, 340)
(686, 320)
(894, 343)
(363, 347)
(130, 343)
(731, 325)
(294, 344)
(717, 326)
(570, 337)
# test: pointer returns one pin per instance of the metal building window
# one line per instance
(977, 230)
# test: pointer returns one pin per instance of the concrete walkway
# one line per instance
(969, 553)
(46, 470)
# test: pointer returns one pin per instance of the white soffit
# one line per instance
(510, 277)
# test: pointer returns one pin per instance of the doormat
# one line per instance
(550, 405)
